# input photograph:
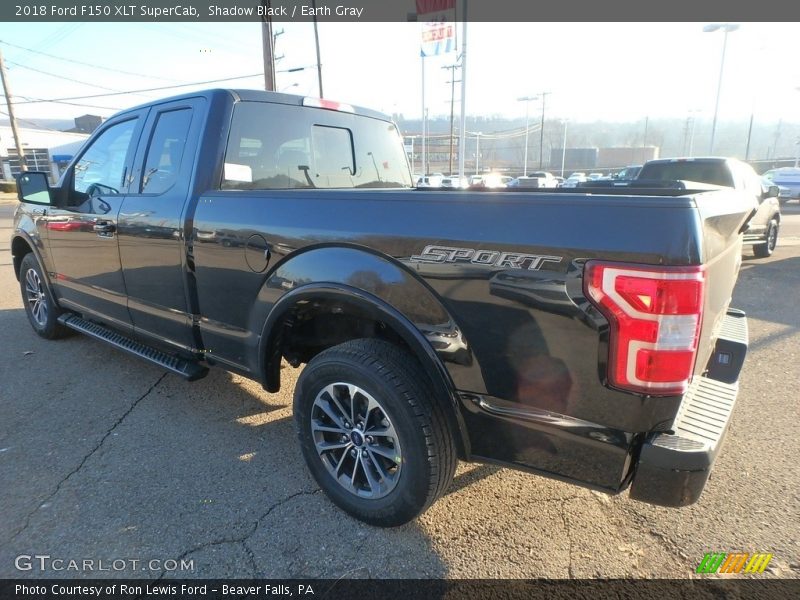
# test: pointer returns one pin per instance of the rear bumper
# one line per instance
(673, 467)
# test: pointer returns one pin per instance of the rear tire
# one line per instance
(372, 433)
(38, 300)
(765, 249)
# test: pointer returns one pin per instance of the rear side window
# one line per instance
(277, 146)
(165, 152)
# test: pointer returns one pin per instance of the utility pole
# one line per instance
(776, 139)
(527, 101)
(452, 103)
(541, 132)
(644, 139)
(477, 151)
(686, 135)
(316, 42)
(23, 164)
(749, 137)
(268, 42)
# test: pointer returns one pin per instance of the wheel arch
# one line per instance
(370, 308)
(22, 244)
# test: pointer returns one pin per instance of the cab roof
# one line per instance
(245, 95)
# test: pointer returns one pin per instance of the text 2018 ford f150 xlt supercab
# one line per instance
(582, 336)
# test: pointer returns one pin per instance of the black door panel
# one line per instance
(82, 231)
(151, 237)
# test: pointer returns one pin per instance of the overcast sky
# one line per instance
(610, 71)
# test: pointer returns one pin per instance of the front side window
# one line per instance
(165, 152)
(101, 169)
(277, 146)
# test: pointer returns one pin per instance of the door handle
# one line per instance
(104, 227)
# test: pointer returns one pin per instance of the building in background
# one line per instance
(86, 124)
(621, 157)
(46, 150)
(575, 159)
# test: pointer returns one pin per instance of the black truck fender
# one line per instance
(423, 322)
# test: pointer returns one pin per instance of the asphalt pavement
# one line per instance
(107, 459)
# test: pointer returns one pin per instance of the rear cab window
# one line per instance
(713, 172)
(278, 146)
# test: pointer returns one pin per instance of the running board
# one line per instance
(187, 369)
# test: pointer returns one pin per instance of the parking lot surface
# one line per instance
(106, 458)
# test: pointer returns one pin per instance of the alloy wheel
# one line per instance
(36, 297)
(355, 440)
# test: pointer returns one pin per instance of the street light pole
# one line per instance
(477, 151)
(726, 28)
(527, 101)
(564, 148)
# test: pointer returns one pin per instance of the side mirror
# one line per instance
(773, 191)
(33, 187)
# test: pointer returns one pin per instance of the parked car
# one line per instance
(546, 179)
(489, 180)
(787, 178)
(433, 180)
(431, 329)
(763, 226)
(455, 182)
(574, 179)
(525, 182)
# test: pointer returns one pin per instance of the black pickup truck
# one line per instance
(762, 228)
(583, 336)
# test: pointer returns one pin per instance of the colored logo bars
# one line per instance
(721, 562)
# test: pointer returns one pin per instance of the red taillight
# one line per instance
(654, 314)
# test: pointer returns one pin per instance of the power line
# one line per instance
(85, 64)
(68, 103)
(155, 89)
(101, 87)
(61, 34)
(33, 99)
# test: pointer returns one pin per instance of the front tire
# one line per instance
(765, 249)
(371, 432)
(38, 300)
